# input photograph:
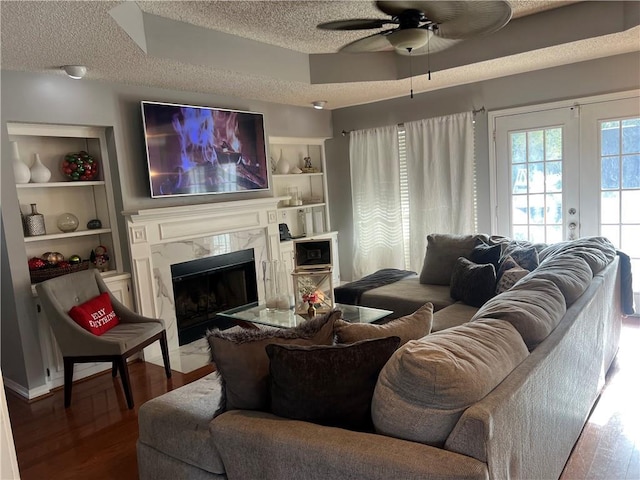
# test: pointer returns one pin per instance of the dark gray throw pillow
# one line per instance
(330, 385)
(483, 253)
(242, 363)
(472, 283)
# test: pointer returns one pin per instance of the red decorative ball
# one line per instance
(36, 263)
(80, 166)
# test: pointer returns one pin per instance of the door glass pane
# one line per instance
(629, 244)
(610, 207)
(631, 135)
(518, 147)
(612, 232)
(554, 234)
(631, 171)
(553, 181)
(631, 207)
(553, 144)
(610, 138)
(610, 175)
(536, 184)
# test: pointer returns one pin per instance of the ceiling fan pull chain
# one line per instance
(429, 58)
(410, 70)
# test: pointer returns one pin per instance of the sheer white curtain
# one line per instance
(375, 186)
(440, 170)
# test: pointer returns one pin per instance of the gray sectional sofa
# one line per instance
(499, 391)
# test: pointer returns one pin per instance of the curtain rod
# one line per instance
(344, 133)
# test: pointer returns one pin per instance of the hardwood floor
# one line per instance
(95, 438)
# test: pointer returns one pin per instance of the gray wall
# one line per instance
(605, 75)
(56, 99)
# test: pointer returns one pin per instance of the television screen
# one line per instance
(200, 150)
(312, 254)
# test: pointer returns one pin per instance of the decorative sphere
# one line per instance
(80, 166)
(68, 222)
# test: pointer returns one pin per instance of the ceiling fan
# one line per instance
(425, 26)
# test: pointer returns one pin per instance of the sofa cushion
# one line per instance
(569, 272)
(177, 423)
(597, 251)
(534, 306)
(427, 384)
(442, 252)
(406, 296)
(452, 316)
(472, 283)
(409, 327)
(329, 385)
(242, 360)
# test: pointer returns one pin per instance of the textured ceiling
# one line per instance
(41, 36)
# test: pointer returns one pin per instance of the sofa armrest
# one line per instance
(261, 445)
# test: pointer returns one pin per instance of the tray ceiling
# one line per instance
(272, 51)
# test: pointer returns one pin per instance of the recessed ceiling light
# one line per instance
(75, 71)
(319, 104)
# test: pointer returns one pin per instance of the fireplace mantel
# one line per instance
(155, 230)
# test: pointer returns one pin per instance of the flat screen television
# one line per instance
(202, 150)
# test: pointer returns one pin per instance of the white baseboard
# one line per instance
(29, 394)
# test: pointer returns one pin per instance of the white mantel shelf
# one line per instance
(202, 209)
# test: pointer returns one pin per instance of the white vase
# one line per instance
(20, 170)
(283, 166)
(39, 173)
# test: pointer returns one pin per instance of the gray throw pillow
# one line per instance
(442, 252)
(472, 283)
(409, 327)
(243, 365)
(525, 256)
(329, 385)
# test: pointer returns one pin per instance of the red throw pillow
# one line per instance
(95, 315)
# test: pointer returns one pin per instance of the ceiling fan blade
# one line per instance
(456, 19)
(460, 19)
(356, 24)
(395, 8)
(373, 43)
(434, 45)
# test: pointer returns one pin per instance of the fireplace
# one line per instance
(204, 287)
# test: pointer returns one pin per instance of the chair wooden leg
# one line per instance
(124, 376)
(165, 354)
(114, 369)
(68, 380)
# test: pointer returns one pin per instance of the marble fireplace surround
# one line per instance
(161, 237)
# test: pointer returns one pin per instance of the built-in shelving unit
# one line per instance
(308, 215)
(87, 200)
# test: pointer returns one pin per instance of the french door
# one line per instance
(537, 175)
(563, 171)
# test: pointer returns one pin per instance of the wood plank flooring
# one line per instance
(95, 438)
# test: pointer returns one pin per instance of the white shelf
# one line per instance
(77, 233)
(61, 184)
(301, 207)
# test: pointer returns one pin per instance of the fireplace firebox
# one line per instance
(204, 287)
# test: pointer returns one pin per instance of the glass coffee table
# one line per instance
(288, 318)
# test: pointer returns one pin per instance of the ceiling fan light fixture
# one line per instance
(319, 104)
(75, 71)
(409, 38)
